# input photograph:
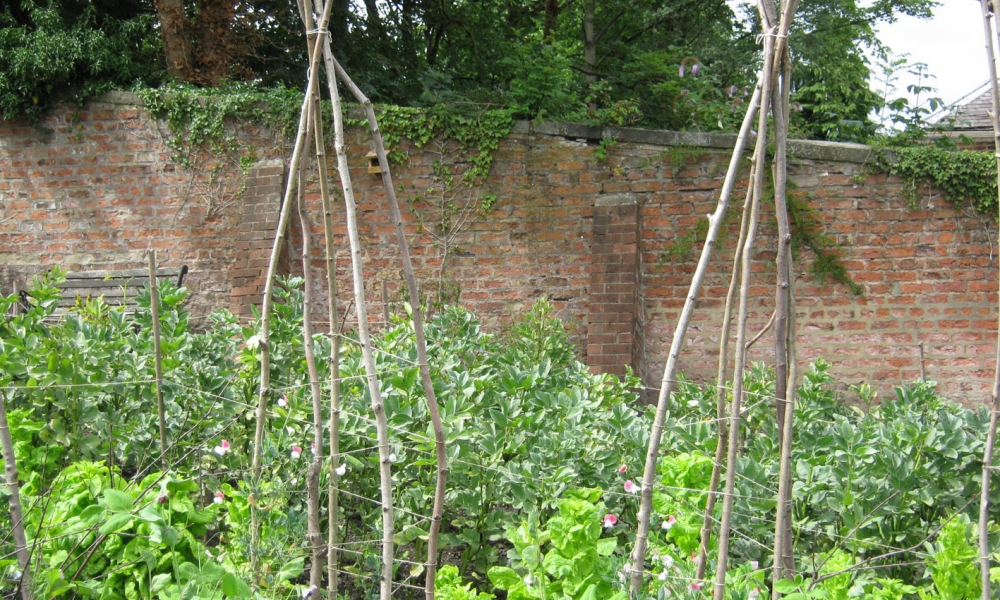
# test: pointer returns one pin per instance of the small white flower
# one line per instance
(668, 523)
(662, 576)
(392, 457)
(296, 451)
(222, 448)
(16, 576)
(253, 342)
(219, 498)
(290, 430)
(309, 592)
(341, 470)
(283, 401)
(754, 565)
(528, 580)
(668, 561)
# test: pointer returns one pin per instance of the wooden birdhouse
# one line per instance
(373, 166)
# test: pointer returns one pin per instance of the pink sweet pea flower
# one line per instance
(610, 521)
(296, 451)
(695, 586)
(283, 401)
(222, 448)
(622, 469)
(669, 523)
(631, 487)
(219, 498)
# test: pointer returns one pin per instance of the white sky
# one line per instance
(952, 45)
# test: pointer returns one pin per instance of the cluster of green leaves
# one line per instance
(477, 131)
(968, 179)
(69, 51)
(577, 563)
(202, 119)
(808, 232)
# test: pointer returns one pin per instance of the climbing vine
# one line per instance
(808, 232)
(968, 179)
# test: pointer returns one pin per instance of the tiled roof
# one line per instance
(972, 115)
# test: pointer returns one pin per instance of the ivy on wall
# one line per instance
(968, 179)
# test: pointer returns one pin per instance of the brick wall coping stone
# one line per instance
(806, 149)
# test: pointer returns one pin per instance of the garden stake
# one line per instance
(984, 497)
(741, 323)
(381, 425)
(708, 521)
(14, 501)
(418, 327)
(333, 492)
(312, 478)
(154, 307)
(333, 486)
(272, 267)
(716, 221)
(784, 563)
(923, 373)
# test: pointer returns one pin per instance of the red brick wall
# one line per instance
(99, 187)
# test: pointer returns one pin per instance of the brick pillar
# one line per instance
(261, 204)
(611, 329)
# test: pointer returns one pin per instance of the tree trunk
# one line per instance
(176, 43)
(214, 34)
(552, 10)
(589, 43)
(716, 221)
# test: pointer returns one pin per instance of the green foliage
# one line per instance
(532, 437)
(53, 52)
(953, 565)
(569, 559)
(808, 232)
(477, 133)
(201, 120)
(968, 179)
(448, 585)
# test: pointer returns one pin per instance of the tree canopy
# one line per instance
(682, 64)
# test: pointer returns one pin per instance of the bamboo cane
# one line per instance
(14, 501)
(716, 220)
(708, 520)
(740, 362)
(154, 307)
(272, 267)
(418, 326)
(984, 497)
(381, 425)
(312, 478)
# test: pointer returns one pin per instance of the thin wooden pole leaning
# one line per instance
(272, 266)
(333, 477)
(988, 13)
(14, 502)
(418, 327)
(784, 562)
(381, 425)
(708, 521)
(333, 492)
(716, 220)
(154, 307)
(741, 321)
(312, 477)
